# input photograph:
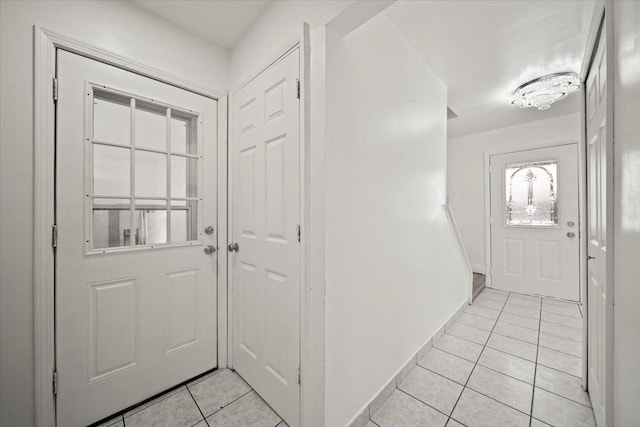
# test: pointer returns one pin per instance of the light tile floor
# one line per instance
(218, 399)
(508, 360)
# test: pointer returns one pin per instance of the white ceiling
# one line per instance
(222, 22)
(483, 50)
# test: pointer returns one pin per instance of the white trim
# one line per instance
(223, 254)
(44, 213)
(584, 242)
(268, 65)
(610, 280)
(488, 278)
(45, 44)
(229, 233)
(454, 228)
(479, 268)
(592, 39)
(111, 58)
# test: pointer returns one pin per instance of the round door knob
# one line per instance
(233, 247)
(209, 249)
(571, 234)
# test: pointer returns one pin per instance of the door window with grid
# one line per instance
(143, 187)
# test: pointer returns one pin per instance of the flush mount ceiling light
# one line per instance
(544, 91)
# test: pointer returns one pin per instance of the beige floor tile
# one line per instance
(475, 410)
(508, 364)
(248, 411)
(402, 410)
(510, 391)
(434, 390)
(448, 365)
(558, 411)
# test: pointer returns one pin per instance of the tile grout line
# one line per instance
(233, 401)
(476, 391)
(507, 353)
(535, 369)
(479, 355)
(424, 403)
(416, 364)
(197, 406)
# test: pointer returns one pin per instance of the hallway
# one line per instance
(508, 360)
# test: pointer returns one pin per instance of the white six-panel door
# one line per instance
(265, 192)
(534, 222)
(596, 218)
(135, 293)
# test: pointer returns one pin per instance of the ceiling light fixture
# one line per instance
(544, 91)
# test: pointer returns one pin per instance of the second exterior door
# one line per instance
(534, 222)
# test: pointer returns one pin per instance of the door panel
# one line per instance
(597, 245)
(135, 293)
(266, 212)
(534, 222)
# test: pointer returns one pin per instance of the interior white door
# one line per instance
(534, 222)
(135, 304)
(266, 209)
(597, 230)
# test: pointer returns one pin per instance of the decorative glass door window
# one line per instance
(143, 188)
(531, 193)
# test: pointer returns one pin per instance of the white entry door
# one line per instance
(265, 151)
(135, 292)
(534, 222)
(598, 304)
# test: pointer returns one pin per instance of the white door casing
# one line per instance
(265, 192)
(124, 314)
(529, 258)
(597, 295)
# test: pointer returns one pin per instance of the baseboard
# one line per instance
(477, 268)
(367, 412)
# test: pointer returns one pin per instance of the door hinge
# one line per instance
(298, 232)
(55, 89)
(54, 382)
(298, 374)
(54, 236)
(298, 88)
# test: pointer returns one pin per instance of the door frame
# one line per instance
(46, 44)
(309, 390)
(582, 226)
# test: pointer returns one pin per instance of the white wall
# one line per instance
(465, 170)
(626, 221)
(278, 29)
(120, 27)
(393, 271)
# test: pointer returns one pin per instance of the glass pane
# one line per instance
(110, 223)
(180, 136)
(183, 177)
(184, 221)
(151, 219)
(151, 129)
(531, 193)
(151, 174)
(111, 170)
(111, 120)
